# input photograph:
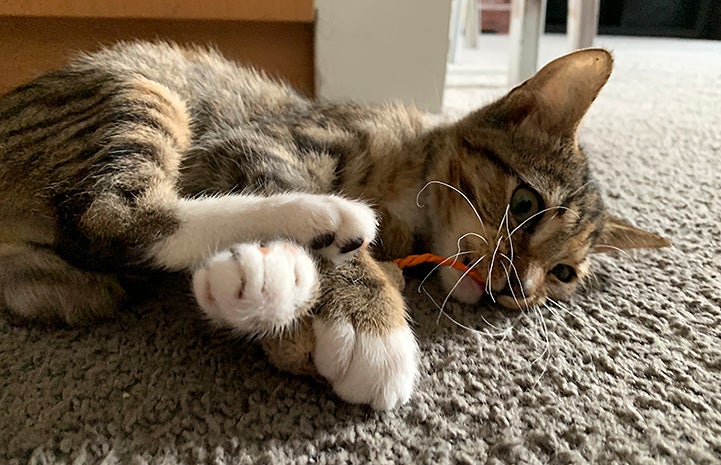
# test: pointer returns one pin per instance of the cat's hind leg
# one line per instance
(257, 289)
(36, 284)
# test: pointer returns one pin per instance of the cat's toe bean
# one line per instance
(352, 245)
(363, 368)
(256, 289)
(322, 241)
(353, 226)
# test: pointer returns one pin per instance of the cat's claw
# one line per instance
(256, 289)
(338, 227)
(364, 368)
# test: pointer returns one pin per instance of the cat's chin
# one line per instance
(468, 291)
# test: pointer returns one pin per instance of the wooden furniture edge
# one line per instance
(244, 10)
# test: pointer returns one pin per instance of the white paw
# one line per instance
(367, 369)
(338, 227)
(256, 289)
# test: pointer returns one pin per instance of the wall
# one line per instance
(371, 51)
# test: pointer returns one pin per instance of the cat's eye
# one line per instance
(525, 203)
(564, 273)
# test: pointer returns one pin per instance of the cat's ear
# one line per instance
(618, 234)
(557, 97)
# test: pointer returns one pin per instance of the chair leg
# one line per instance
(454, 29)
(582, 23)
(527, 20)
(471, 27)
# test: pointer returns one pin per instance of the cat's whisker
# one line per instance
(583, 186)
(541, 212)
(530, 328)
(489, 289)
(443, 263)
(559, 305)
(458, 282)
(547, 349)
(544, 328)
(465, 197)
(489, 279)
(510, 286)
(625, 253)
(518, 279)
(560, 309)
(458, 243)
(561, 320)
(442, 307)
(510, 239)
(502, 332)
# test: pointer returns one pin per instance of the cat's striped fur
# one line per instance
(149, 156)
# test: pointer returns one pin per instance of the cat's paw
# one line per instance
(339, 227)
(256, 289)
(364, 368)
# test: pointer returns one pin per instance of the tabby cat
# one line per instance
(156, 157)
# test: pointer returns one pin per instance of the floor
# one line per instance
(628, 372)
(482, 72)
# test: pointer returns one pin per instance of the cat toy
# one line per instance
(413, 260)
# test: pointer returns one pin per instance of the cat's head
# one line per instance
(538, 211)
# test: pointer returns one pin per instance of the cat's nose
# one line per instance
(509, 282)
(498, 282)
(532, 278)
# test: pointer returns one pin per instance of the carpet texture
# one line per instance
(629, 372)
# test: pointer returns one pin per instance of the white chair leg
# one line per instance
(582, 23)
(471, 26)
(527, 23)
(454, 29)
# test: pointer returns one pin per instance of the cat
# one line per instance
(151, 156)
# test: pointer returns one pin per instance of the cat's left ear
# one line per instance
(558, 96)
(618, 234)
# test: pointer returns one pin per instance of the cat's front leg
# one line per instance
(257, 289)
(334, 226)
(363, 343)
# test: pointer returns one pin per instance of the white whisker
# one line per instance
(541, 213)
(458, 282)
(518, 278)
(458, 243)
(443, 263)
(617, 249)
(583, 186)
(546, 350)
(510, 286)
(510, 239)
(418, 196)
(493, 256)
(502, 333)
(562, 321)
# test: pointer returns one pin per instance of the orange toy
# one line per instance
(413, 260)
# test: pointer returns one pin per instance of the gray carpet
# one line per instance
(629, 372)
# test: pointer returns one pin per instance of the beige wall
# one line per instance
(376, 50)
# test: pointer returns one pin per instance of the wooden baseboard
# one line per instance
(30, 46)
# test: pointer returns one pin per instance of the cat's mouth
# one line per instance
(500, 292)
(514, 301)
(506, 291)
